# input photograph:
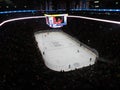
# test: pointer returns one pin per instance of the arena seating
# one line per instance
(22, 66)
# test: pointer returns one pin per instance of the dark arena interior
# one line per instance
(21, 63)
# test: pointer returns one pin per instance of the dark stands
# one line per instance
(22, 67)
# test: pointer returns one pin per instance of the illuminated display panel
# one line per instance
(56, 20)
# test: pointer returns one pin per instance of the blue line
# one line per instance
(98, 10)
(24, 11)
(17, 11)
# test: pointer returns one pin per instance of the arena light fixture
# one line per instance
(95, 19)
(71, 16)
(22, 18)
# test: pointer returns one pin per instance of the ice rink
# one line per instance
(62, 52)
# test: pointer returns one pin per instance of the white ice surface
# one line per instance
(61, 52)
